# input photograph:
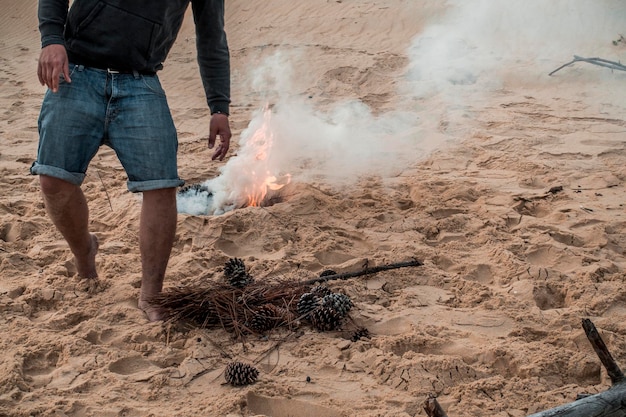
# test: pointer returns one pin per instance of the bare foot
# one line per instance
(153, 312)
(86, 265)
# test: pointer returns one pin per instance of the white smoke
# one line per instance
(335, 147)
(484, 43)
(472, 49)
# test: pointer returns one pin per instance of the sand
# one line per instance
(491, 323)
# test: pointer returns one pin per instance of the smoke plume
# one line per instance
(476, 46)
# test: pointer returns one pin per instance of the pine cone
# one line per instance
(235, 273)
(266, 318)
(307, 303)
(321, 290)
(238, 374)
(325, 318)
(341, 303)
(204, 314)
(359, 334)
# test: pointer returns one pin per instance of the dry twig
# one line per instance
(364, 271)
(596, 61)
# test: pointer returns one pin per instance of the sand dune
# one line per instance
(491, 323)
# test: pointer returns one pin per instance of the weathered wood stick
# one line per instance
(615, 373)
(596, 61)
(364, 271)
(432, 407)
(610, 403)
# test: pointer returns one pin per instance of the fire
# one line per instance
(261, 179)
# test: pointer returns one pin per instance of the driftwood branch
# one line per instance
(603, 353)
(364, 271)
(610, 403)
(595, 61)
(432, 407)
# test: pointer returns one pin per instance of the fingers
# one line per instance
(40, 73)
(66, 72)
(219, 127)
(222, 149)
(52, 63)
(53, 81)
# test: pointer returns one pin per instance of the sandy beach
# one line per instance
(403, 130)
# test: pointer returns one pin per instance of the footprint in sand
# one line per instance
(38, 365)
(549, 256)
(283, 407)
(549, 296)
(135, 368)
(67, 320)
(240, 239)
(99, 337)
(328, 258)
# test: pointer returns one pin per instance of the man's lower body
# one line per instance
(129, 113)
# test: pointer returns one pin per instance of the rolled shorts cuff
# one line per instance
(75, 178)
(139, 186)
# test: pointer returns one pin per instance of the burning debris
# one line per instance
(245, 180)
(197, 199)
(194, 189)
(194, 199)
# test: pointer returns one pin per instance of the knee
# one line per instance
(51, 186)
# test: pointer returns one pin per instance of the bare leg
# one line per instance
(156, 236)
(67, 207)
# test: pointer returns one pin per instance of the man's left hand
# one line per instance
(219, 127)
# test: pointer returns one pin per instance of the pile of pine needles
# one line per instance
(218, 304)
(254, 308)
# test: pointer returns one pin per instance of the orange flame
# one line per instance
(261, 179)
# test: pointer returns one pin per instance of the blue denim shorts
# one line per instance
(127, 112)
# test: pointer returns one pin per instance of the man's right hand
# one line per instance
(52, 63)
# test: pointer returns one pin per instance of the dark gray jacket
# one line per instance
(138, 35)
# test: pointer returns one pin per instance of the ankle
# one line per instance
(153, 312)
